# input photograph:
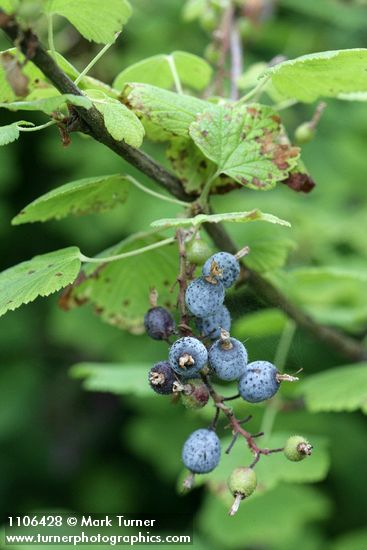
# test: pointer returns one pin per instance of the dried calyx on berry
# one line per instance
(194, 393)
(261, 381)
(223, 268)
(242, 483)
(297, 448)
(159, 323)
(188, 356)
(162, 378)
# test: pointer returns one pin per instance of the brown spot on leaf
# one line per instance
(126, 303)
(31, 271)
(58, 274)
(253, 112)
(300, 182)
(13, 72)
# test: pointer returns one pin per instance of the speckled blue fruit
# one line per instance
(193, 348)
(159, 323)
(210, 326)
(259, 382)
(228, 266)
(201, 451)
(228, 364)
(203, 298)
(162, 377)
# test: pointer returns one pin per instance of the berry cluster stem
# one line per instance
(237, 429)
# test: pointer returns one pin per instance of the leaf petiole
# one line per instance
(94, 60)
(124, 255)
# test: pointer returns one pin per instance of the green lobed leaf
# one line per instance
(40, 276)
(247, 143)
(121, 122)
(19, 78)
(289, 508)
(331, 12)
(115, 378)
(48, 105)
(120, 290)
(169, 111)
(192, 70)
(269, 255)
(95, 20)
(332, 295)
(323, 74)
(335, 390)
(238, 217)
(85, 196)
(193, 168)
(10, 132)
(259, 324)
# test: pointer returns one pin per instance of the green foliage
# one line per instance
(193, 71)
(48, 105)
(299, 505)
(259, 324)
(120, 290)
(237, 217)
(336, 390)
(325, 74)
(246, 143)
(40, 276)
(171, 112)
(269, 255)
(95, 20)
(9, 6)
(333, 295)
(121, 123)
(85, 196)
(356, 540)
(10, 132)
(118, 379)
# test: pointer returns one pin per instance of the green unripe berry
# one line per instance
(297, 448)
(304, 133)
(209, 20)
(212, 54)
(242, 481)
(198, 251)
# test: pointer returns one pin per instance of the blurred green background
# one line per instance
(62, 447)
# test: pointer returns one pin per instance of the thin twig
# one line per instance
(181, 279)
(236, 58)
(29, 44)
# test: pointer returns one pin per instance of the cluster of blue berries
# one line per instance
(191, 361)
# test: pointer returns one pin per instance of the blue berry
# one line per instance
(223, 267)
(203, 298)
(210, 326)
(188, 356)
(228, 358)
(201, 451)
(159, 323)
(162, 377)
(259, 382)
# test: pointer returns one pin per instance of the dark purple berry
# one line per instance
(162, 377)
(159, 323)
